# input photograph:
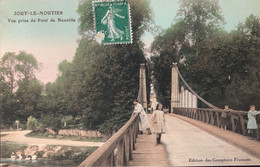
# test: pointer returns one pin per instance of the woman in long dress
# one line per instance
(144, 121)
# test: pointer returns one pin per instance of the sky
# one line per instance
(53, 42)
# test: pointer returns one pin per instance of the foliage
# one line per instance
(196, 21)
(8, 63)
(251, 26)
(101, 81)
(200, 18)
(222, 67)
(167, 48)
(8, 105)
(51, 120)
(19, 88)
(232, 70)
(27, 65)
(15, 67)
(32, 123)
(28, 96)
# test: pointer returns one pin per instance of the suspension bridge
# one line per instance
(194, 136)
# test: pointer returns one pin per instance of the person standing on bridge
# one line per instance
(251, 124)
(158, 119)
(224, 115)
(144, 122)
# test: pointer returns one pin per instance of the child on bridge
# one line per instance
(251, 124)
(223, 119)
(158, 119)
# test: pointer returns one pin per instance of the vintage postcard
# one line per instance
(70, 70)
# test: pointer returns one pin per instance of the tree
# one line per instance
(27, 65)
(28, 96)
(226, 69)
(15, 67)
(108, 75)
(8, 104)
(101, 81)
(8, 70)
(233, 69)
(196, 21)
(251, 26)
(200, 17)
(21, 97)
(218, 64)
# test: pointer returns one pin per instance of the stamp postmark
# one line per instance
(112, 22)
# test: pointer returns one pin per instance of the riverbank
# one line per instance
(13, 153)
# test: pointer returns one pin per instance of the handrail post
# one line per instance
(218, 120)
(242, 124)
(233, 122)
(120, 153)
(127, 148)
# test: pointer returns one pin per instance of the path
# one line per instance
(147, 153)
(188, 145)
(19, 137)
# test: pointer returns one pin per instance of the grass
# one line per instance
(8, 147)
(74, 138)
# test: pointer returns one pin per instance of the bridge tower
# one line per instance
(175, 87)
(142, 96)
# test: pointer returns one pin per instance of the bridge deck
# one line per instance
(147, 153)
(191, 145)
(190, 142)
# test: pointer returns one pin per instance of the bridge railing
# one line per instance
(236, 121)
(117, 151)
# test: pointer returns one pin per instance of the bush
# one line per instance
(32, 123)
(52, 121)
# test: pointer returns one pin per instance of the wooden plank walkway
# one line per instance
(238, 140)
(187, 141)
(147, 153)
(188, 144)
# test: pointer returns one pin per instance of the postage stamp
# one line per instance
(112, 22)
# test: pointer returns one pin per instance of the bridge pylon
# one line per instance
(175, 87)
(142, 96)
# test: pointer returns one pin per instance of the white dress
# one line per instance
(144, 122)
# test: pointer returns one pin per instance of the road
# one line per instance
(19, 137)
(187, 145)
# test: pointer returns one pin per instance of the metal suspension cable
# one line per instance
(192, 91)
